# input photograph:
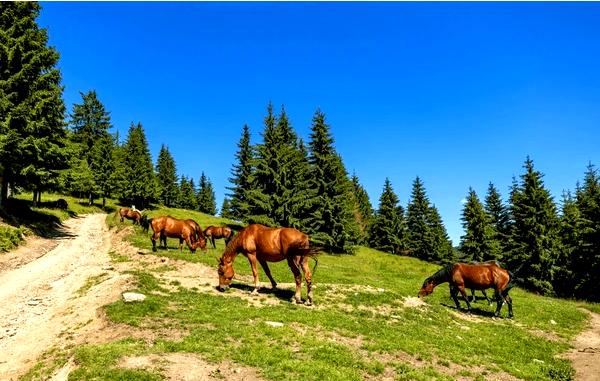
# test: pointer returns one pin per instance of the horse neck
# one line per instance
(441, 276)
(231, 250)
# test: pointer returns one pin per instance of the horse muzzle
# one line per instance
(223, 288)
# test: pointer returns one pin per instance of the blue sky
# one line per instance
(456, 93)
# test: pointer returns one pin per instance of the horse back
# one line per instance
(480, 276)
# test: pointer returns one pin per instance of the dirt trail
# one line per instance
(43, 300)
(586, 354)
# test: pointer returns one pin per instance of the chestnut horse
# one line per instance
(130, 214)
(167, 226)
(476, 277)
(217, 232)
(199, 234)
(262, 244)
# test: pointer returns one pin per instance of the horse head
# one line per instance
(427, 288)
(226, 274)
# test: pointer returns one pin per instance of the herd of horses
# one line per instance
(261, 244)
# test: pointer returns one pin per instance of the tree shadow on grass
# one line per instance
(280, 293)
(18, 213)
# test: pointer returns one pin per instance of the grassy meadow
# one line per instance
(366, 324)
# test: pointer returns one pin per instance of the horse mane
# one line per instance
(441, 276)
(232, 246)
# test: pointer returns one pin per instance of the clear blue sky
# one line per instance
(458, 94)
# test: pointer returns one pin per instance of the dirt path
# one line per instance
(44, 299)
(586, 354)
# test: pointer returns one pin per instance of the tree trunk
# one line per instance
(39, 200)
(103, 202)
(91, 200)
(35, 192)
(4, 192)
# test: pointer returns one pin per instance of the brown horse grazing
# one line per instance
(477, 277)
(216, 232)
(167, 226)
(199, 234)
(130, 214)
(262, 244)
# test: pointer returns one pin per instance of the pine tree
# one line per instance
(103, 166)
(427, 238)
(226, 209)
(535, 230)
(565, 280)
(499, 217)
(265, 168)
(206, 196)
(331, 223)
(587, 261)
(89, 121)
(241, 178)
(32, 133)
(166, 176)
(187, 194)
(479, 242)
(388, 229)
(364, 210)
(138, 187)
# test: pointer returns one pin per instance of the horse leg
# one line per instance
(453, 292)
(461, 288)
(265, 267)
(212, 240)
(163, 240)
(508, 300)
(153, 239)
(180, 245)
(252, 260)
(499, 302)
(308, 278)
(473, 297)
(486, 297)
(297, 278)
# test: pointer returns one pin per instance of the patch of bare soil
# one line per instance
(42, 299)
(33, 248)
(190, 367)
(585, 355)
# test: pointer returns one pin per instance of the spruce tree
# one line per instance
(535, 231)
(206, 196)
(187, 194)
(265, 167)
(241, 178)
(388, 229)
(331, 223)
(565, 279)
(479, 242)
(103, 166)
(427, 238)
(89, 121)
(364, 210)
(139, 184)
(166, 176)
(32, 133)
(226, 209)
(499, 217)
(587, 261)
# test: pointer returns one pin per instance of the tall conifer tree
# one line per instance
(479, 242)
(32, 133)
(206, 196)
(166, 176)
(364, 210)
(535, 230)
(241, 179)
(499, 217)
(138, 187)
(332, 221)
(388, 229)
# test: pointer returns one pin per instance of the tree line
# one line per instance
(280, 181)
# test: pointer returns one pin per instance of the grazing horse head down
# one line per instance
(262, 244)
(476, 277)
(167, 226)
(198, 233)
(130, 214)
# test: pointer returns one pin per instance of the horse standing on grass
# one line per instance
(216, 232)
(167, 226)
(262, 244)
(476, 277)
(130, 214)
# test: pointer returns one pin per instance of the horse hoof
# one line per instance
(254, 292)
(308, 303)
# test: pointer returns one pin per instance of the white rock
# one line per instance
(381, 289)
(133, 297)
(552, 322)
(274, 323)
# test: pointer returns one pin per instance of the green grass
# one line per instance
(10, 237)
(358, 329)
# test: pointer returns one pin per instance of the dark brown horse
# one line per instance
(199, 234)
(262, 244)
(130, 214)
(167, 226)
(476, 277)
(216, 232)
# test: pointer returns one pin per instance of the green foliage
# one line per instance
(427, 236)
(331, 222)
(32, 133)
(241, 177)
(187, 194)
(137, 185)
(206, 196)
(10, 237)
(479, 242)
(499, 216)
(389, 228)
(535, 231)
(226, 209)
(166, 177)
(364, 210)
